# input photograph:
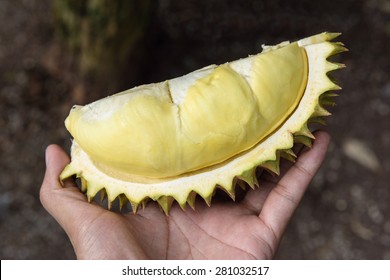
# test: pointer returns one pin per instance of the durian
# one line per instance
(211, 128)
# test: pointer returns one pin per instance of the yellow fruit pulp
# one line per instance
(144, 132)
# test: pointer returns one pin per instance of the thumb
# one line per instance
(64, 203)
(56, 160)
(52, 189)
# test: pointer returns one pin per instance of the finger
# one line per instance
(61, 202)
(254, 199)
(284, 198)
(52, 194)
(56, 160)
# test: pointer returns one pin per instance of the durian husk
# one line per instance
(184, 189)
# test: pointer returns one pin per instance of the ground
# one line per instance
(346, 211)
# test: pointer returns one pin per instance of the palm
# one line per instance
(222, 231)
(248, 229)
(225, 230)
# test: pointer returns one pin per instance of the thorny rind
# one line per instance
(184, 189)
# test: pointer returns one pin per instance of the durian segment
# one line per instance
(242, 166)
(164, 130)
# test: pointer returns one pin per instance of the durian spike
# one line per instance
(122, 201)
(208, 198)
(318, 120)
(330, 95)
(69, 172)
(165, 203)
(328, 102)
(288, 154)
(242, 184)
(182, 204)
(338, 48)
(84, 184)
(249, 176)
(142, 204)
(327, 99)
(332, 35)
(229, 191)
(272, 165)
(320, 111)
(191, 199)
(305, 131)
(303, 140)
(103, 194)
(337, 66)
(134, 206)
(333, 87)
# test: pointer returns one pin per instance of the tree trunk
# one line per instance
(104, 38)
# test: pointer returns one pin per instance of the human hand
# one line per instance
(249, 229)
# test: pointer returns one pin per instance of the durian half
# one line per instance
(172, 140)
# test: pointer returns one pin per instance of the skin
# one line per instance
(250, 228)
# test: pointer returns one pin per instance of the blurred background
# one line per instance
(54, 54)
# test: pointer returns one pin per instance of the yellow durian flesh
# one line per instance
(169, 140)
(144, 132)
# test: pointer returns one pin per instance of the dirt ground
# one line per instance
(346, 211)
